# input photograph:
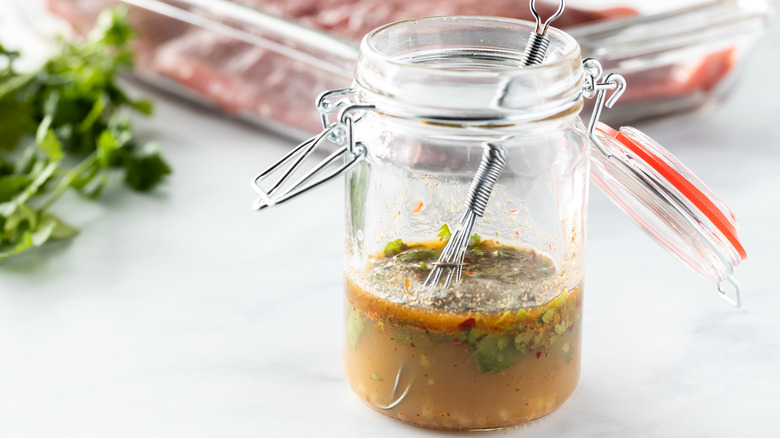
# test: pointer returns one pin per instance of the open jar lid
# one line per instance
(674, 206)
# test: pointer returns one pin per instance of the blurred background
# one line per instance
(267, 60)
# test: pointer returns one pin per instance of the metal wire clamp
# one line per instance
(339, 132)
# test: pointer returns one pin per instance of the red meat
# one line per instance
(244, 79)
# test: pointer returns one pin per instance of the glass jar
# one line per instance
(502, 345)
(467, 189)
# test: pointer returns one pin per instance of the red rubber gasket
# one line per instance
(688, 189)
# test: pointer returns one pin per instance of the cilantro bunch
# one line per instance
(61, 129)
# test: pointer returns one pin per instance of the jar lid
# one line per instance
(674, 206)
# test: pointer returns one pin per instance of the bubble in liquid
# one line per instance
(359, 234)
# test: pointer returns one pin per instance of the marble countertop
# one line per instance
(184, 313)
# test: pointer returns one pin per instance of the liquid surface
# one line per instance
(495, 277)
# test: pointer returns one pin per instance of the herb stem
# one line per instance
(67, 180)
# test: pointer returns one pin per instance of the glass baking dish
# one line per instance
(266, 61)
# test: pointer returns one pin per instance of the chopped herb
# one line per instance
(354, 328)
(494, 353)
(559, 301)
(395, 247)
(548, 316)
(444, 232)
(377, 378)
(417, 255)
(503, 318)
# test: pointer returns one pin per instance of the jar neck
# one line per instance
(467, 70)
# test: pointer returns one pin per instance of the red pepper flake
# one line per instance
(514, 210)
(517, 233)
(467, 324)
(538, 354)
(411, 344)
(418, 208)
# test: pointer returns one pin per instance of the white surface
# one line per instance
(186, 314)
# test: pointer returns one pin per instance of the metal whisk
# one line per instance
(536, 49)
(491, 166)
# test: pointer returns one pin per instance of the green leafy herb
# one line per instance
(61, 129)
(495, 353)
(548, 316)
(417, 255)
(377, 378)
(444, 232)
(355, 326)
(395, 247)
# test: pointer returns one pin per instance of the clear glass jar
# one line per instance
(502, 346)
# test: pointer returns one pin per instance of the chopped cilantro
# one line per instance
(417, 255)
(444, 232)
(548, 316)
(354, 328)
(395, 247)
(495, 352)
(377, 378)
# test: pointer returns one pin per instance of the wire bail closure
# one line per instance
(339, 132)
(593, 88)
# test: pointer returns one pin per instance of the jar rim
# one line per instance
(369, 47)
(467, 67)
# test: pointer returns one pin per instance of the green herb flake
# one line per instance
(503, 318)
(492, 353)
(377, 378)
(395, 247)
(414, 256)
(355, 326)
(61, 130)
(548, 316)
(559, 301)
(521, 314)
(444, 232)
